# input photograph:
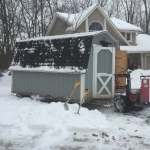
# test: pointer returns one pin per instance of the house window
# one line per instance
(95, 26)
(128, 37)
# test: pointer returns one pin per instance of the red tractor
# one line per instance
(134, 99)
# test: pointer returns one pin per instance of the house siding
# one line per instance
(109, 29)
(147, 61)
(96, 16)
(81, 28)
(133, 39)
(123, 33)
(59, 27)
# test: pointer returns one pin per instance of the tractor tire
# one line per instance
(121, 104)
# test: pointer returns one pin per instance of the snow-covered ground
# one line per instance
(29, 124)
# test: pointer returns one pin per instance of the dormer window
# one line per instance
(95, 26)
(128, 36)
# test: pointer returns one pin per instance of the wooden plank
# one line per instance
(120, 68)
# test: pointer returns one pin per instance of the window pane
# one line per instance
(95, 26)
(128, 36)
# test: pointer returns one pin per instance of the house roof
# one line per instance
(135, 49)
(75, 20)
(122, 25)
(143, 45)
(62, 53)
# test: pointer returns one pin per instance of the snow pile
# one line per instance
(135, 77)
(26, 113)
(22, 116)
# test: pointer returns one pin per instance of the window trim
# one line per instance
(95, 30)
(130, 36)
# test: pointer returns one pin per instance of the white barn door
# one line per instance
(103, 71)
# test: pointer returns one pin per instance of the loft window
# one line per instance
(95, 26)
(128, 37)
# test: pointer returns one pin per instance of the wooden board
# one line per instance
(120, 68)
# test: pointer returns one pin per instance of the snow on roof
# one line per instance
(143, 40)
(122, 25)
(68, 17)
(75, 19)
(143, 45)
(65, 36)
(135, 49)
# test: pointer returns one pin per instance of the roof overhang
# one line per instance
(135, 49)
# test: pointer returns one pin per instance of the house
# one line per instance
(50, 66)
(94, 18)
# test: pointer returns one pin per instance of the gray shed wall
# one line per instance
(54, 85)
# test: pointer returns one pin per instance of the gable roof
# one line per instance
(61, 53)
(122, 25)
(75, 20)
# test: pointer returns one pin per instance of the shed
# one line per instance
(50, 66)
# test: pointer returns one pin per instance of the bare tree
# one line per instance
(8, 21)
(102, 3)
(130, 9)
(114, 8)
(147, 15)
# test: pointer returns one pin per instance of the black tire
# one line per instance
(121, 104)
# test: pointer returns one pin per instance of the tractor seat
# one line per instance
(135, 91)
